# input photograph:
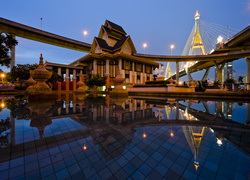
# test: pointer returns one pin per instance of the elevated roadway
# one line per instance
(27, 32)
(235, 48)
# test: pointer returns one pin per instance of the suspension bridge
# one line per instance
(201, 52)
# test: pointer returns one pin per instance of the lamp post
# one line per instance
(144, 46)
(84, 34)
(2, 76)
(171, 47)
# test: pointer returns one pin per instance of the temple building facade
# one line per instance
(111, 53)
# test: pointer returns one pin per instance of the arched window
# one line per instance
(100, 68)
(113, 68)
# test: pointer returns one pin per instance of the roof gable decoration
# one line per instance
(128, 46)
(95, 48)
(115, 27)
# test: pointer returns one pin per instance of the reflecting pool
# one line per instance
(100, 137)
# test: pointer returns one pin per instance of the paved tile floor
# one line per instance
(119, 153)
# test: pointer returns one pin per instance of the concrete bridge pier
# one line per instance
(177, 110)
(206, 74)
(248, 72)
(219, 71)
(189, 75)
(177, 72)
(13, 55)
(219, 112)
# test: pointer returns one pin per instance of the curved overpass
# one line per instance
(27, 32)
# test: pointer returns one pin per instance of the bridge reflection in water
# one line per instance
(112, 125)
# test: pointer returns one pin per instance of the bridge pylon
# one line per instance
(167, 72)
(197, 42)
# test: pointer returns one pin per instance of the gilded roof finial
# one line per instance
(197, 14)
(41, 59)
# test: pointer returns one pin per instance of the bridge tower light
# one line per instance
(219, 39)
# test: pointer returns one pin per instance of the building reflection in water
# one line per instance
(110, 122)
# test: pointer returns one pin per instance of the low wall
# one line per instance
(214, 90)
(161, 89)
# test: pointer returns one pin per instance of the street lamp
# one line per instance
(84, 34)
(144, 46)
(171, 47)
(2, 75)
(219, 39)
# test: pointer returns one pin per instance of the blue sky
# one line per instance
(159, 23)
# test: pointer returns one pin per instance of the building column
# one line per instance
(13, 56)
(144, 78)
(67, 103)
(151, 75)
(59, 84)
(67, 79)
(74, 79)
(120, 65)
(107, 74)
(94, 67)
(219, 71)
(133, 73)
(248, 72)
(177, 72)
(107, 109)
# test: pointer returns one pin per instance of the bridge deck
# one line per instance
(20, 30)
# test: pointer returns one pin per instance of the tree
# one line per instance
(96, 81)
(229, 81)
(55, 78)
(21, 71)
(240, 79)
(7, 41)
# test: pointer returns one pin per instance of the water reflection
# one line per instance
(114, 125)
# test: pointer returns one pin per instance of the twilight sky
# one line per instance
(159, 23)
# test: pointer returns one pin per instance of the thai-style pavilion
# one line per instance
(113, 49)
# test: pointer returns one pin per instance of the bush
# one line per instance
(151, 85)
(96, 81)
(158, 82)
(200, 88)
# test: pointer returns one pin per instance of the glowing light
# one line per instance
(84, 147)
(219, 39)
(144, 46)
(2, 75)
(123, 87)
(185, 114)
(172, 46)
(180, 83)
(211, 51)
(144, 135)
(196, 166)
(112, 86)
(85, 33)
(219, 142)
(2, 105)
(171, 134)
